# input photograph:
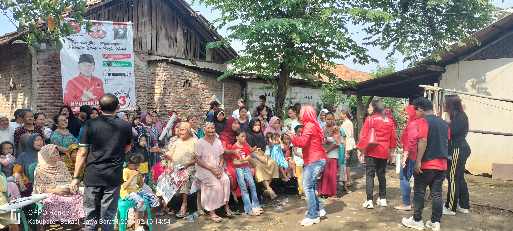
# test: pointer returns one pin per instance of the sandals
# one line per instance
(270, 193)
(216, 219)
(181, 215)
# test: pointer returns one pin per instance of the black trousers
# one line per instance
(457, 192)
(433, 179)
(375, 166)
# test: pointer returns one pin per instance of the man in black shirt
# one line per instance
(102, 149)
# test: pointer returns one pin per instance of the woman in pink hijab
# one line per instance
(274, 126)
(314, 157)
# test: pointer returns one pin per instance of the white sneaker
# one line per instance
(433, 226)
(382, 202)
(368, 204)
(448, 212)
(411, 223)
(308, 222)
(322, 213)
(462, 210)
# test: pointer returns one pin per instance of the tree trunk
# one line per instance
(360, 115)
(281, 93)
(361, 111)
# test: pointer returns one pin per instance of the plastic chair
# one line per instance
(124, 205)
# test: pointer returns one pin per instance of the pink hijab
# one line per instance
(309, 115)
(270, 129)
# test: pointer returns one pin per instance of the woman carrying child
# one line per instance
(266, 168)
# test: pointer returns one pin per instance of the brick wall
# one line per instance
(47, 83)
(15, 78)
(160, 86)
(188, 91)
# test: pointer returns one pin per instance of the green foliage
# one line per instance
(420, 28)
(44, 20)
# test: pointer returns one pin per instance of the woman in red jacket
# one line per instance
(314, 156)
(377, 141)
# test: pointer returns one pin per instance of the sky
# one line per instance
(7, 26)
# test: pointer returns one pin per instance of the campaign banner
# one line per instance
(98, 61)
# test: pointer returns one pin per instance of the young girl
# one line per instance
(134, 189)
(287, 151)
(141, 149)
(7, 158)
(245, 177)
(298, 162)
(275, 151)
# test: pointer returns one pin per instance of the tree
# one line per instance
(287, 38)
(44, 20)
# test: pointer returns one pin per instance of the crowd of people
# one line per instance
(224, 164)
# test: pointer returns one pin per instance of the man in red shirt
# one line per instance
(84, 88)
(430, 166)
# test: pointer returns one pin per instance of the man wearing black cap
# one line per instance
(84, 88)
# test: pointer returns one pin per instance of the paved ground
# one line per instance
(492, 209)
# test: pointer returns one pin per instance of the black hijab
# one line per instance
(256, 139)
(219, 124)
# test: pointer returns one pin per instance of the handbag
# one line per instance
(372, 136)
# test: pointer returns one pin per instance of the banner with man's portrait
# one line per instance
(98, 61)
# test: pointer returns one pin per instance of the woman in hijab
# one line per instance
(220, 121)
(274, 126)
(32, 144)
(227, 137)
(322, 117)
(314, 157)
(266, 168)
(53, 178)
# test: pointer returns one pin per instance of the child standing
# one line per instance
(134, 189)
(7, 158)
(141, 149)
(287, 151)
(245, 177)
(298, 162)
(275, 151)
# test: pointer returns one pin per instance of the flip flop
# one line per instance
(216, 219)
(181, 215)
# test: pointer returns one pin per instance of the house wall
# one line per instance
(15, 78)
(188, 91)
(160, 86)
(492, 77)
(161, 27)
(295, 94)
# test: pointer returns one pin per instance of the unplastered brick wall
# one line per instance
(188, 91)
(47, 83)
(15, 78)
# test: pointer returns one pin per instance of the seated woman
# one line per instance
(181, 160)
(266, 168)
(214, 182)
(52, 177)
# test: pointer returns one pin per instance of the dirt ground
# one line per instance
(491, 209)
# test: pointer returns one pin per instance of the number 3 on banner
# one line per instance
(122, 100)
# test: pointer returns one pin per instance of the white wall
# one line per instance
(492, 77)
(295, 94)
